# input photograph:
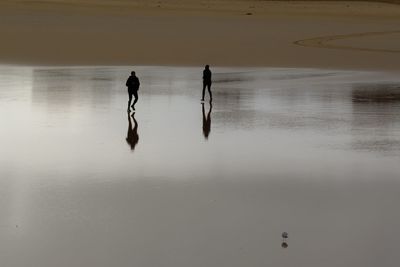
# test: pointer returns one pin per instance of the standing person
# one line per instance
(207, 81)
(133, 88)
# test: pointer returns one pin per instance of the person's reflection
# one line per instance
(132, 137)
(206, 121)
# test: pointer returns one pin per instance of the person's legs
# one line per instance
(129, 101)
(135, 94)
(204, 90)
(209, 90)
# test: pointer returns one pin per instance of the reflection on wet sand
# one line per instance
(376, 117)
(132, 137)
(54, 88)
(298, 150)
(59, 89)
(206, 120)
(376, 93)
(234, 106)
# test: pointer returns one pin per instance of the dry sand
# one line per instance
(346, 35)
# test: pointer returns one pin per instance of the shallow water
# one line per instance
(314, 153)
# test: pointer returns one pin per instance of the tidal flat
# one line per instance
(311, 152)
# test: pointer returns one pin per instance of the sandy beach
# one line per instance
(317, 34)
(302, 136)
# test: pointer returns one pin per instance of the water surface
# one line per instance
(311, 152)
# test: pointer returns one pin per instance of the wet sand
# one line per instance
(311, 152)
(219, 33)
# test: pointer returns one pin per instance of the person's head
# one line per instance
(207, 67)
(133, 73)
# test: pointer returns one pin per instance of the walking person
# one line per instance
(207, 81)
(133, 87)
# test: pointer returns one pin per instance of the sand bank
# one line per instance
(347, 35)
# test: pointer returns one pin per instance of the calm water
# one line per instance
(315, 153)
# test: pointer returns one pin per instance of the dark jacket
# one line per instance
(133, 83)
(207, 76)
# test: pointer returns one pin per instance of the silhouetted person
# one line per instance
(133, 87)
(207, 81)
(206, 121)
(132, 137)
